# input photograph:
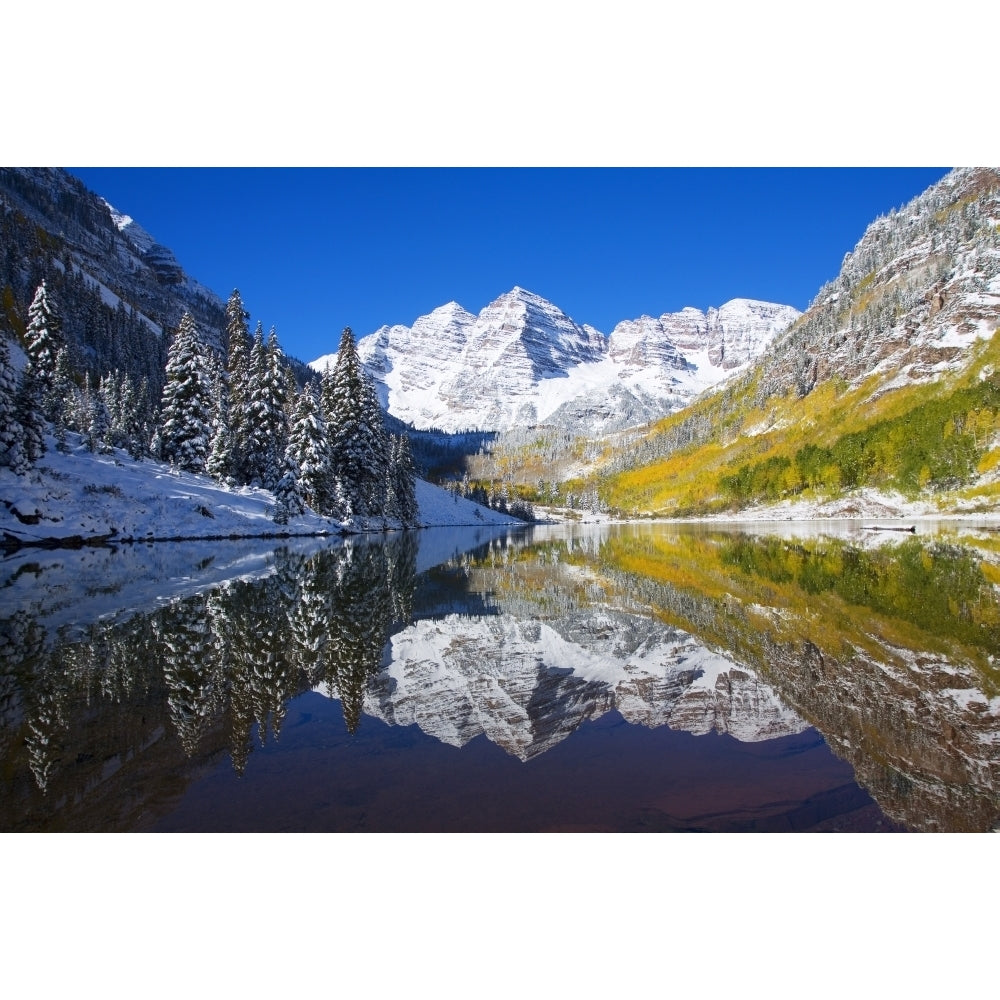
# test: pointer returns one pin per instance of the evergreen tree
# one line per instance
(128, 427)
(219, 464)
(145, 421)
(254, 449)
(11, 433)
(29, 413)
(287, 495)
(186, 415)
(77, 410)
(44, 340)
(63, 390)
(267, 433)
(276, 426)
(401, 497)
(327, 394)
(308, 452)
(238, 369)
(99, 424)
(358, 439)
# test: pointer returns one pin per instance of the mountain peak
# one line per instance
(519, 294)
(451, 314)
(522, 361)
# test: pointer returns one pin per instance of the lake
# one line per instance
(636, 677)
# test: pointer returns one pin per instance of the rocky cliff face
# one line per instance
(523, 362)
(921, 286)
(114, 254)
(726, 338)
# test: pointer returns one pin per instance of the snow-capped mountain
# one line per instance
(522, 362)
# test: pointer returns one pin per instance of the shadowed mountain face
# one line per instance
(114, 257)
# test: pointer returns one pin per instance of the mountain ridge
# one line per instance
(521, 361)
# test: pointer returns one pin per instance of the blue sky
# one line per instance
(315, 249)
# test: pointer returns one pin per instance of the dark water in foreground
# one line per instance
(625, 678)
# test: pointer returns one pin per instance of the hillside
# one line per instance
(888, 382)
(119, 290)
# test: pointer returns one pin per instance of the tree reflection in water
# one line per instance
(224, 661)
(888, 648)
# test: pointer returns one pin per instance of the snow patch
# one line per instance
(80, 494)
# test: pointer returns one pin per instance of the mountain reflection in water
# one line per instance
(624, 677)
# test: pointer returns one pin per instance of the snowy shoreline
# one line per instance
(79, 498)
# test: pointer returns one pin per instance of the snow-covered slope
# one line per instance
(523, 362)
(89, 496)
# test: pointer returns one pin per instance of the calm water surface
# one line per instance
(591, 678)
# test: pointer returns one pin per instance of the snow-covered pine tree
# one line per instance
(219, 462)
(43, 340)
(186, 413)
(99, 424)
(327, 394)
(238, 368)
(277, 387)
(375, 417)
(401, 496)
(127, 428)
(288, 500)
(29, 413)
(254, 443)
(11, 434)
(267, 427)
(77, 411)
(64, 389)
(358, 439)
(291, 392)
(308, 451)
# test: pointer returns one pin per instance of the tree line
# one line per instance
(240, 418)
